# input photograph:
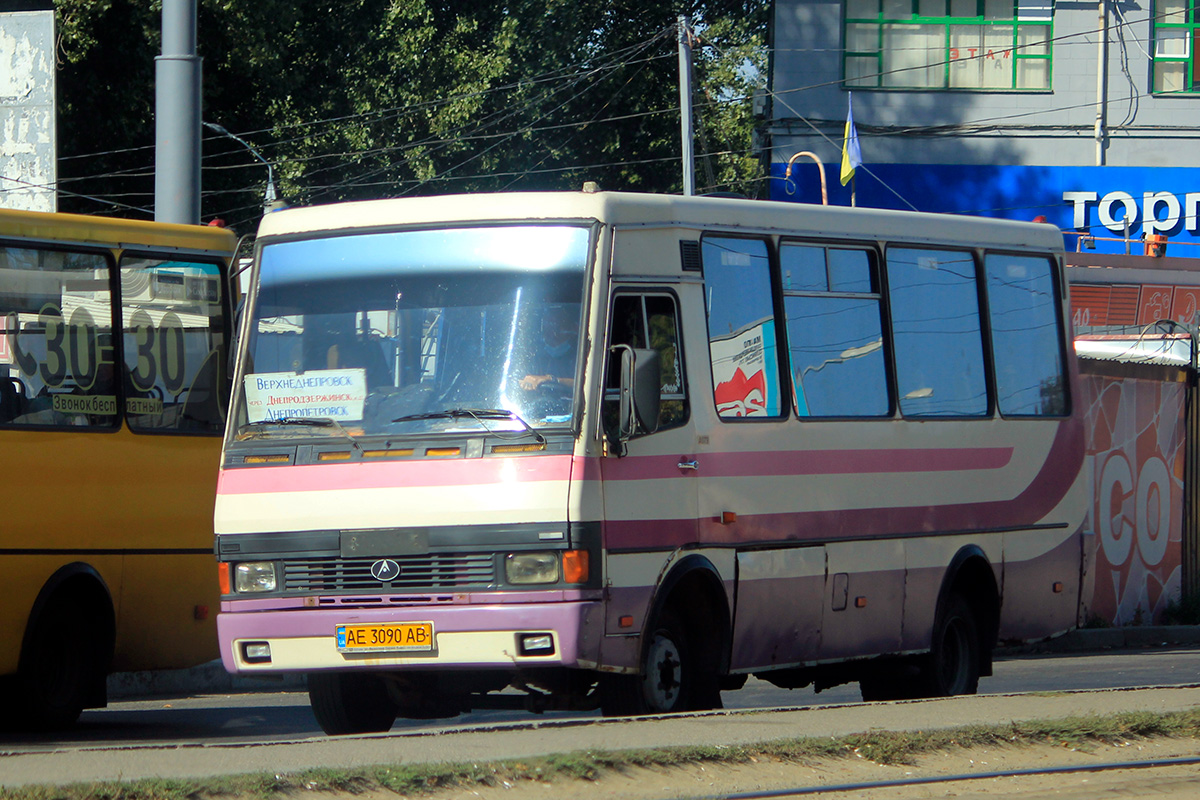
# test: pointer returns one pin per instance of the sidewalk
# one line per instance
(211, 678)
(537, 738)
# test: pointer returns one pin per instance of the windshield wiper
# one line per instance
(310, 422)
(479, 415)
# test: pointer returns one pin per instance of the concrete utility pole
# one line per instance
(685, 106)
(177, 117)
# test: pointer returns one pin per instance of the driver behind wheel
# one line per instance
(554, 363)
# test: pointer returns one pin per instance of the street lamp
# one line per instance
(787, 174)
(269, 198)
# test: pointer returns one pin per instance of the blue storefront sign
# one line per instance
(1102, 202)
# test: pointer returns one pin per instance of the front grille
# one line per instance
(443, 571)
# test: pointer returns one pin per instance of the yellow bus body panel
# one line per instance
(136, 508)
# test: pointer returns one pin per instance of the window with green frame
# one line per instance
(1176, 34)
(949, 44)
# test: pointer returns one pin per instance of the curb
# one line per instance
(1092, 640)
(208, 678)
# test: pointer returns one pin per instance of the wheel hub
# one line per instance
(663, 675)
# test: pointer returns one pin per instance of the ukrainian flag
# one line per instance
(851, 155)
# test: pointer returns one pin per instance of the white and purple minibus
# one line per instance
(621, 451)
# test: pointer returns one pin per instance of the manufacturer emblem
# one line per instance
(385, 570)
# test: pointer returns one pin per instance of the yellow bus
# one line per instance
(113, 394)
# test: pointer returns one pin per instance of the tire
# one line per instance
(419, 696)
(952, 667)
(672, 677)
(901, 679)
(63, 666)
(350, 702)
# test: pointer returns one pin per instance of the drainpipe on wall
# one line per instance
(1101, 81)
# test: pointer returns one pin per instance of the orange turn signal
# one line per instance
(575, 566)
(223, 578)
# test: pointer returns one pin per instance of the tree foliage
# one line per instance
(380, 98)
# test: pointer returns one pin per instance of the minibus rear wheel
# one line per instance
(952, 667)
(350, 702)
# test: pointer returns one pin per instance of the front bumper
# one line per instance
(465, 636)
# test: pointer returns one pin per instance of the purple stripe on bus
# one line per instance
(813, 462)
(627, 601)
(578, 625)
(777, 621)
(1031, 608)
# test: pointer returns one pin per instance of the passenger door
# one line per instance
(650, 494)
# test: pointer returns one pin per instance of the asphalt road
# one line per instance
(273, 731)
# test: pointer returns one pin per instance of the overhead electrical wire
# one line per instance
(598, 66)
(477, 130)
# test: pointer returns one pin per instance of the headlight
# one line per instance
(531, 567)
(254, 576)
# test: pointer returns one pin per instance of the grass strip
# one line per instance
(884, 747)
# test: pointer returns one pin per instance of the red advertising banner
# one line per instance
(1096, 305)
(1155, 304)
(1186, 304)
(1135, 444)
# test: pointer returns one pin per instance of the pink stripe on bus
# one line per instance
(1043, 492)
(457, 471)
(396, 474)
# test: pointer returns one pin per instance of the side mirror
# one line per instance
(640, 387)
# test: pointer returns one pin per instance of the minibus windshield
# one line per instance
(412, 332)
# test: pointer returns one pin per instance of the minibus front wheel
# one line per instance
(672, 677)
(350, 702)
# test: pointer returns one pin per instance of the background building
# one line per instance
(1087, 113)
(27, 113)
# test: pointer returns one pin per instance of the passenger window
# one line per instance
(741, 327)
(834, 332)
(174, 337)
(56, 355)
(1026, 335)
(936, 332)
(850, 271)
(648, 321)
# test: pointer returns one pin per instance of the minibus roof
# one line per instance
(626, 209)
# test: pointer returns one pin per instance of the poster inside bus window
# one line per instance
(174, 345)
(56, 366)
